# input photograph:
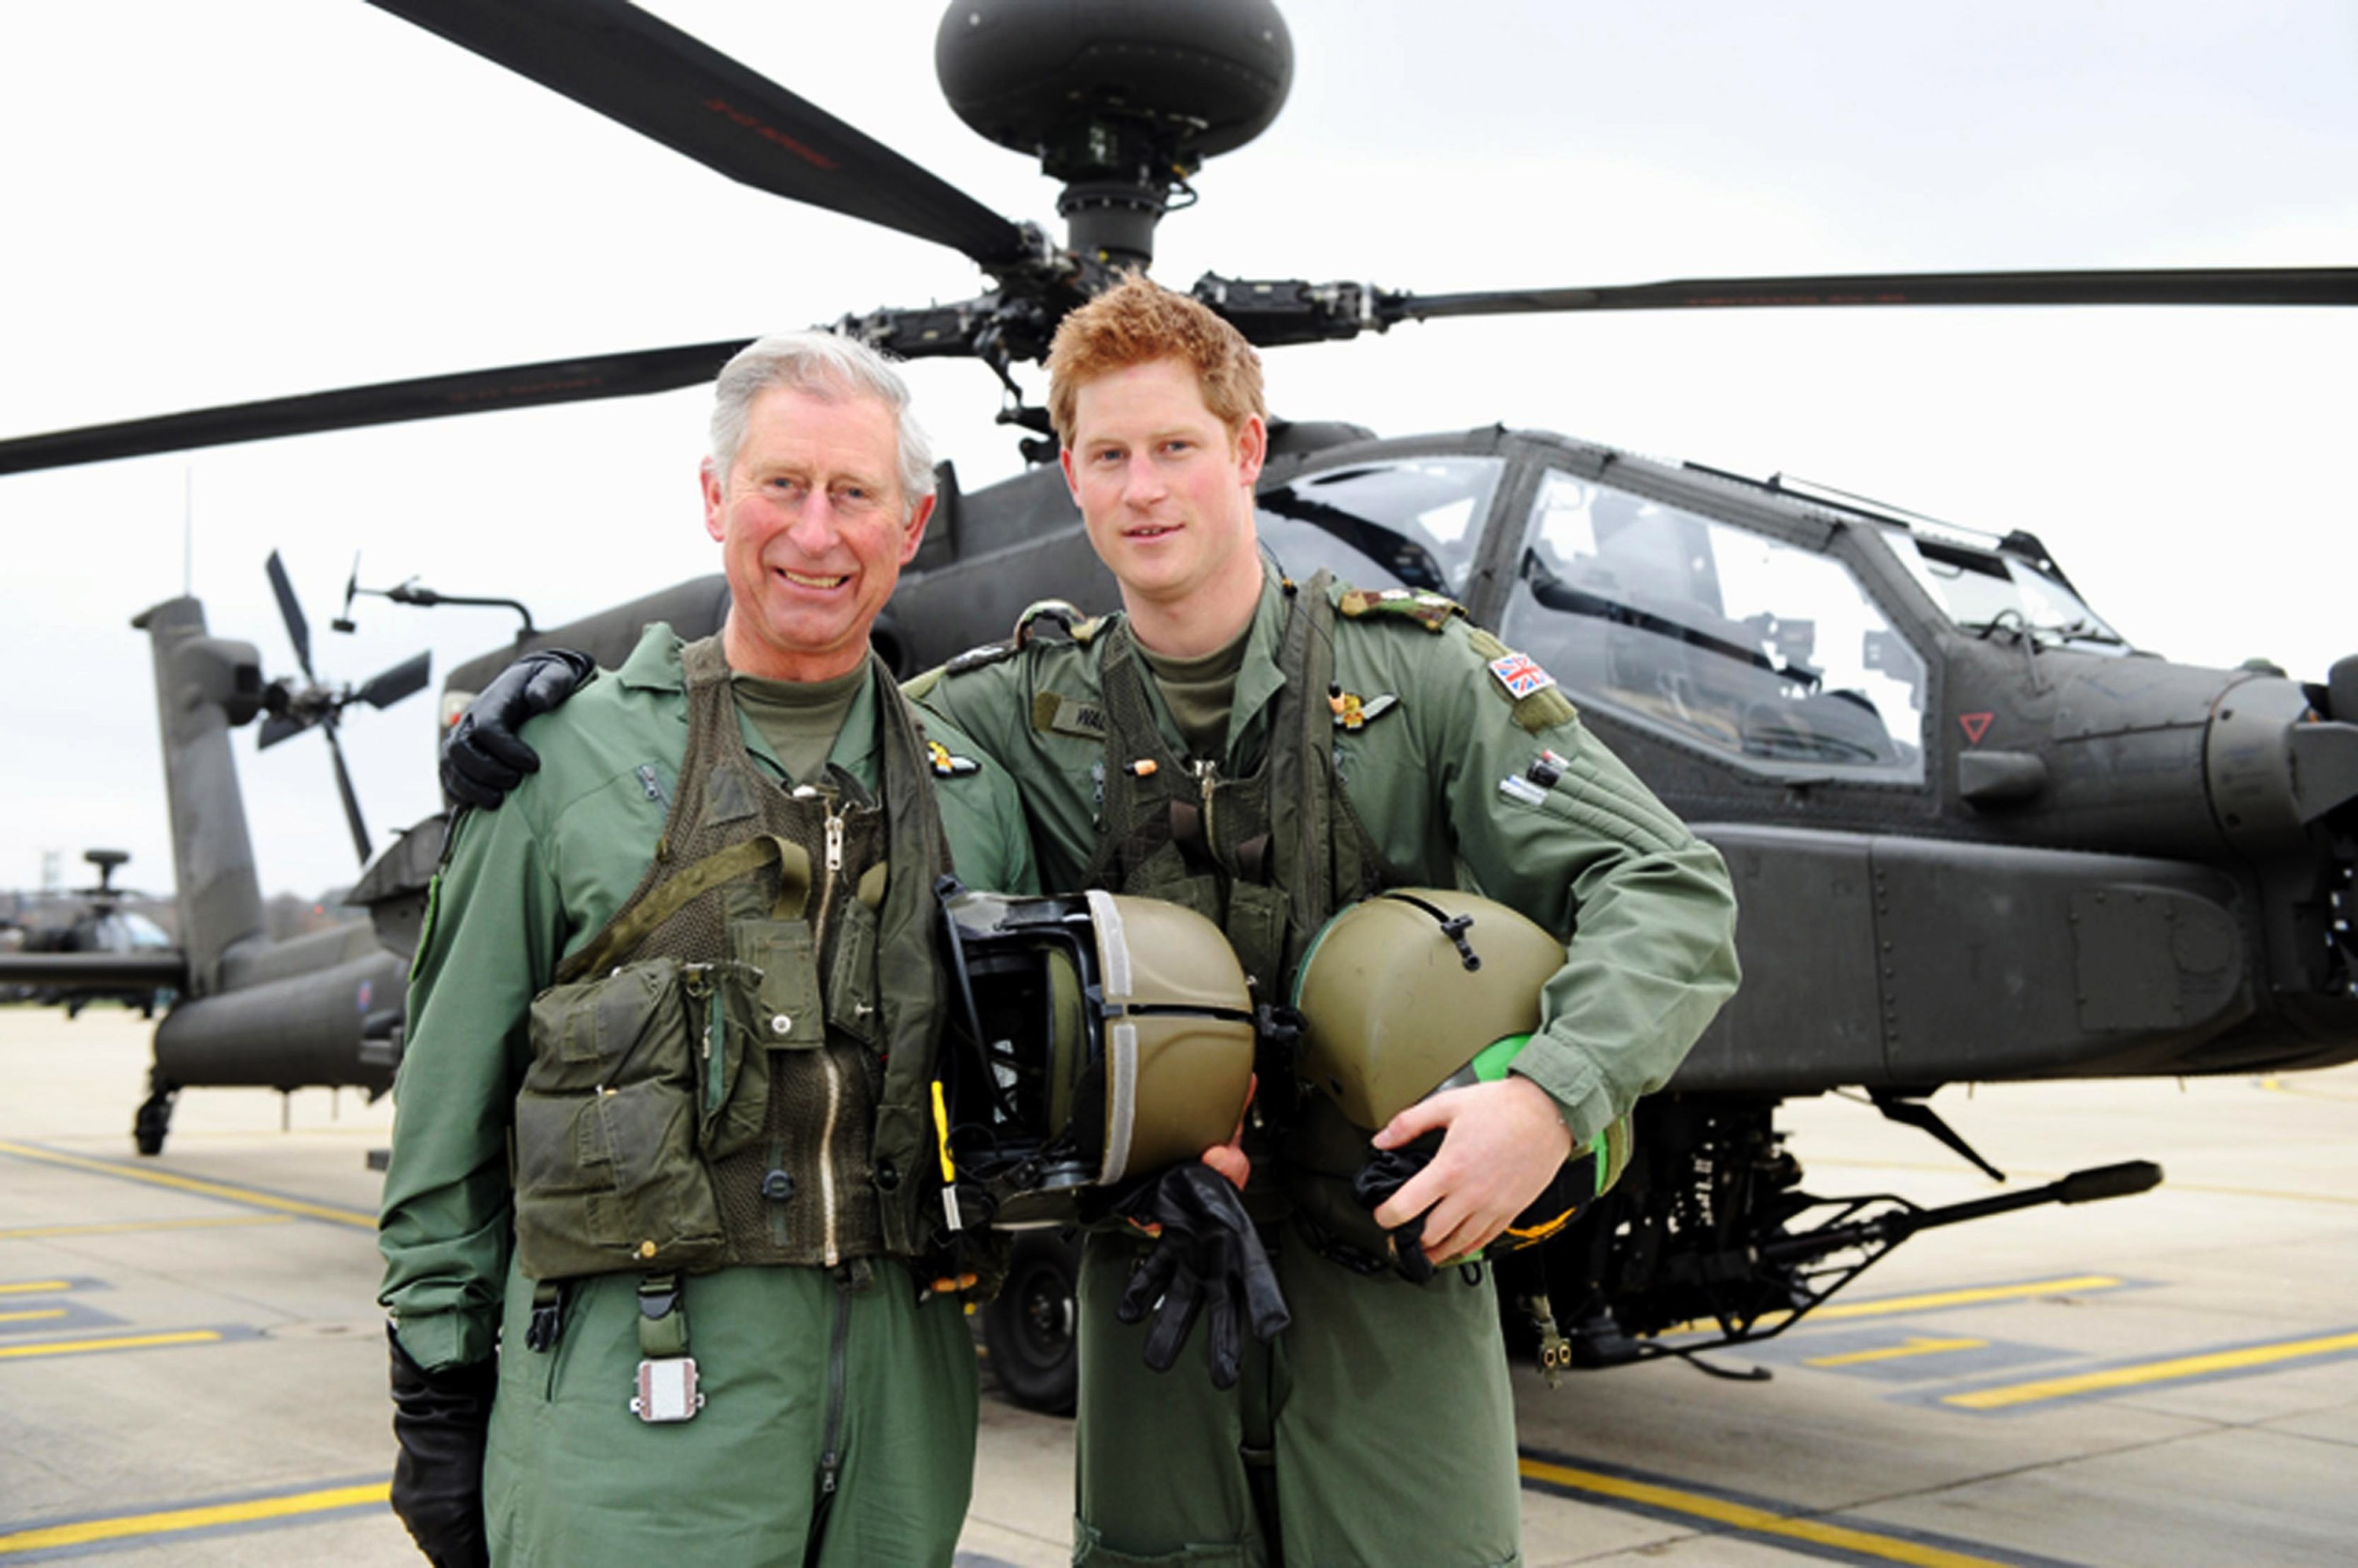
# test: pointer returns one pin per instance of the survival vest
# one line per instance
(736, 1068)
(1267, 856)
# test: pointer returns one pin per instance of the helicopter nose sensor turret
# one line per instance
(2276, 766)
(1121, 102)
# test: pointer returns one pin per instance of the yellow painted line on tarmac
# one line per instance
(36, 1287)
(1887, 1306)
(121, 1342)
(169, 1520)
(1746, 1517)
(1916, 1345)
(1933, 1300)
(2275, 1084)
(193, 1184)
(29, 1316)
(34, 1232)
(2152, 1372)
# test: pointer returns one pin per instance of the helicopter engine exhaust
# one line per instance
(300, 1030)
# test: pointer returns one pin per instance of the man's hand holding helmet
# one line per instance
(1501, 1146)
(1413, 1004)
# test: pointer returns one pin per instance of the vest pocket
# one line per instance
(1256, 929)
(607, 1173)
(781, 1009)
(852, 977)
(732, 1070)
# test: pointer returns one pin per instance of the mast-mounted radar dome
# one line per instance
(1120, 100)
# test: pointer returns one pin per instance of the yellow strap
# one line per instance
(942, 1135)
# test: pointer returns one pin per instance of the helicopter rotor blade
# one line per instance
(626, 375)
(352, 800)
(643, 72)
(298, 630)
(404, 679)
(1272, 312)
(2213, 285)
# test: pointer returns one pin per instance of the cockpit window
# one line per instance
(1715, 636)
(1404, 522)
(1983, 590)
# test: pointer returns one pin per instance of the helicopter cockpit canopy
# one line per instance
(1714, 635)
(1705, 633)
(1394, 522)
(1984, 590)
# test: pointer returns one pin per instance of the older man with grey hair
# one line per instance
(661, 1226)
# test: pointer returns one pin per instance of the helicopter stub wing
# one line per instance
(95, 970)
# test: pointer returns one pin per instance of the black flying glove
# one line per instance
(1386, 1173)
(1569, 1193)
(1208, 1260)
(482, 758)
(441, 1420)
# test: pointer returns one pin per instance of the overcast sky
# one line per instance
(249, 198)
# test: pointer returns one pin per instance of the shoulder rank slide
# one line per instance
(949, 766)
(1431, 610)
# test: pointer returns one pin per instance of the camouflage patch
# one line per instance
(1060, 715)
(1431, 610)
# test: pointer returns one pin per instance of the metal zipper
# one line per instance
(830, 1462)
(832, 876)
(1207, 774)
(827, 1155)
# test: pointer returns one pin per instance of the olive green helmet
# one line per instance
(1094, 1038)
(1402, 992)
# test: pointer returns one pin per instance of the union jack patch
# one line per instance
(1520, 676)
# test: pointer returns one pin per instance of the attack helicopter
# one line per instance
(317, 1008)
(102, 918)
(1977, 837)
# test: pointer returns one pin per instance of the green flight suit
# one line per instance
(1386, 1405)
(572, 1476)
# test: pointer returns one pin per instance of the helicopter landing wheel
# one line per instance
(154, 1120)
(1030, 1328)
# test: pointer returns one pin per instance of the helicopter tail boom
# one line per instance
(205, 685)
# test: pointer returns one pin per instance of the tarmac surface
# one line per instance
(192, 1366)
